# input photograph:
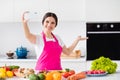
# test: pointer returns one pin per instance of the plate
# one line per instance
(97, 75)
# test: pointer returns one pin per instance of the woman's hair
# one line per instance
(50, 14)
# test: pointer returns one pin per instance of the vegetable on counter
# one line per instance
(103, 63)
(77, 76)
(14, 67)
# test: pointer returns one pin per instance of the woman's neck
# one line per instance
(48, 34)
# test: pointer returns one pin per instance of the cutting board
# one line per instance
(74, 55)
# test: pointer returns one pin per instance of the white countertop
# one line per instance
(114, 76)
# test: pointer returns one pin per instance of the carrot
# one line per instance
(77, 76)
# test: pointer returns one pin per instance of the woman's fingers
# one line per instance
(23, 16)
(82, 38)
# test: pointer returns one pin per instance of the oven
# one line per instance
(104, 40)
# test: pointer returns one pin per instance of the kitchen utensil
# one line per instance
(21, 52)
(97, 75)
(10, 55)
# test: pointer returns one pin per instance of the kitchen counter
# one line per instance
(15, 59)
(114, 76)
(33, 59)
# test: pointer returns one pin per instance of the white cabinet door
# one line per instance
(6, 10)
(103, 10)
(20, 6)
(68, 10)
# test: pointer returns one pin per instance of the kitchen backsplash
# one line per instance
(12, 35)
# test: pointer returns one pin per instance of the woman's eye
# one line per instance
(53, 23)
(47, 21)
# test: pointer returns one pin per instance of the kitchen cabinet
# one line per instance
(102, 10)
(20, 6)
(72, 10)
(12, 10)
(65, 10)
(6, 10)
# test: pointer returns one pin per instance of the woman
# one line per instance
(49, 46)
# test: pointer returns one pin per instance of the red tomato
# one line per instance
(7, 68)
(71, 72)
(95, 72)
(65, 74)
(89, 72)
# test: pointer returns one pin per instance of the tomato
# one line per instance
(95, 72)
(7, 68)
(71, 72)
(65, 74)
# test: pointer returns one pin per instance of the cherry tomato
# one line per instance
(7, 68)
(71, 72)
(65, 74)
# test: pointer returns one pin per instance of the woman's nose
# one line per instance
(49, 24)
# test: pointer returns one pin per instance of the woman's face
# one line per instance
(49, 24)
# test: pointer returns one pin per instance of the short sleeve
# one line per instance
(61, 43)
(39, 45)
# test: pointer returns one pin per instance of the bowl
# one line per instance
(10, 54)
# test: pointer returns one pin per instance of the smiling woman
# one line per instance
(49, 44)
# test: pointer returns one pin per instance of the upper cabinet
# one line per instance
(72, 10)
(20, 6)
(6, 10)
(103, 10)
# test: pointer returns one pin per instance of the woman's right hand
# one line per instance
(23, 17)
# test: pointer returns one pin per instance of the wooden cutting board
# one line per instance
(74, 55)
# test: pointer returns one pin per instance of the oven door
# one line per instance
(105, 44)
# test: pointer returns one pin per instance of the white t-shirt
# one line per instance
(40, 43)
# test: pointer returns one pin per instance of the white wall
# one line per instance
(71, 15)
(12, 35)
(11, 32)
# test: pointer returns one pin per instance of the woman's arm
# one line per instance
(70, 49)
(31, 37)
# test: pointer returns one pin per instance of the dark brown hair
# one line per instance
(50, 14)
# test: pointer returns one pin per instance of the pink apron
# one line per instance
(50, 57)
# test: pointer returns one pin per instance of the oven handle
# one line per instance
(103, 32)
